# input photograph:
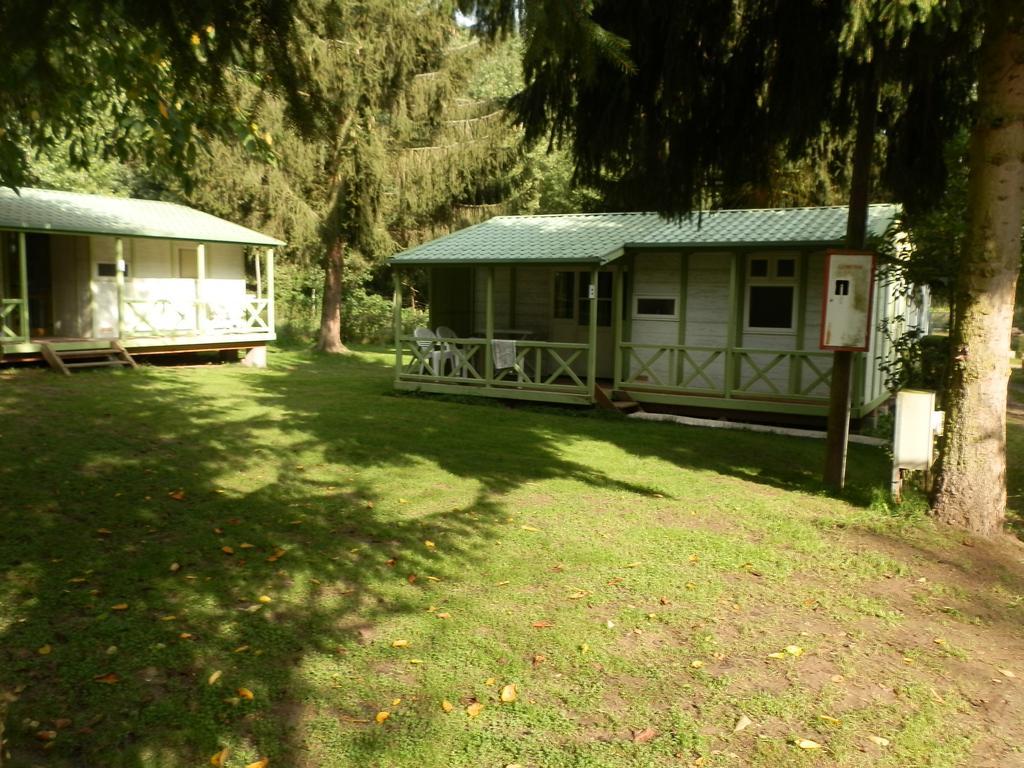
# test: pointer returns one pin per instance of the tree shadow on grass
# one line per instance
(146, 514)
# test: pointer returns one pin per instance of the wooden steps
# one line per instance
(94, 354)
(611, 400)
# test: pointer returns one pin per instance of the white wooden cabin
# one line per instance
(157, 277)
(721, 311)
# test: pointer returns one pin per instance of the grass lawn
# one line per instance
(272, 561)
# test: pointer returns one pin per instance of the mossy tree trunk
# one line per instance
(330, 317)
(971, 488)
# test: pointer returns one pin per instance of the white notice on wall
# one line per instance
(846, 305)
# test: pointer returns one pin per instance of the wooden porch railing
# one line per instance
(725, 372)
(542, 366)
(164, 316)
(10, 321)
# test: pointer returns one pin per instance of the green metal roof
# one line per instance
(44, 210)
(603, 237)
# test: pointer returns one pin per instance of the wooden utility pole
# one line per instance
(856, 235)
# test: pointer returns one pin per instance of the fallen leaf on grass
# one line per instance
(502, 584)
(530, 528)
(696, 664)
(46, 735)
(490, 681)
(227, 550)
(246, 545)
(539, 659)
(743, 723)
(509, 693)
(214, 677)
(633, 565)
(104, 531)
(474, 709)
(794, 650)
(109, 679)
(1007, 673)
(830, 719)
(429, 544)
(263, 762)
(879, 740)
(382, 716)
(807, 744)
(542, 624)
(44, 650)
(444, 615)
(220, 758)
(447, 706)
(119, 607)
(265, 599)
(246, 694)
(399, 643)
(178, 495)
(241, 649)
(579, 594)
(432, 578)
(644, 736)
(415, 661)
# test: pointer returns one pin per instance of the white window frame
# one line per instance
(637, 315)
(773, 280)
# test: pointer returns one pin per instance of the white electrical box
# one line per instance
(916, 425)
(846, 302)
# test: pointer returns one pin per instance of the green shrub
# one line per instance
(366, 318)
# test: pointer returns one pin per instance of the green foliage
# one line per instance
(368, 318)
(711, 98)
(152, 73)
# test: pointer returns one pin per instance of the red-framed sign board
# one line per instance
(846, 301)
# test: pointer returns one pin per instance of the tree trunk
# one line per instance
(330, 316)
(971, 487)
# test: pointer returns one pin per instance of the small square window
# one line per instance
(108, 269)
(649, 305)
(759, 267)
(771, 306)
(785, 268)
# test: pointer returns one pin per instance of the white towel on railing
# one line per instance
(504, 353)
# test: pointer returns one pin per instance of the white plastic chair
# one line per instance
(426, 340)
(453, 352)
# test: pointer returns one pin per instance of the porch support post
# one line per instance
(592, 335)
(396, 319)
(201, 288)
(735, 324)
(119, 277)
(259, 273)
(24, 330)
(796, 362)
(617, 327)
(271, 310)
(489, 326)
(679, 374)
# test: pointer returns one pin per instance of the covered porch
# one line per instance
(571, 334)
(153, 276)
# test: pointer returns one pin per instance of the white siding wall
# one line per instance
(655, 275)
(707, 312)
(154, 276)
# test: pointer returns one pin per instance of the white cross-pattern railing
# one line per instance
(10, 320)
